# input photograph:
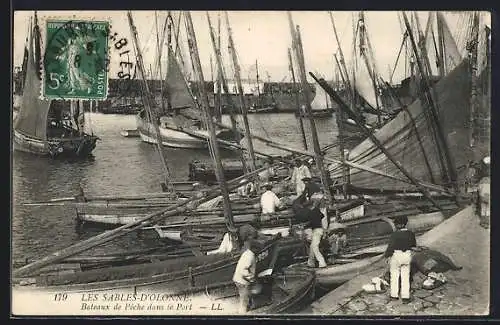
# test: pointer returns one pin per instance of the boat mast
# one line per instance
(222, 79)
(158, 55)
(297, 101)
(258, 87)
(299, 53)
(472, 49)
(237, 76)
(435, 116)
(364, 45)
(213, 145)
(218, 115)
(342, 68)
(339, 115)
(148, 101)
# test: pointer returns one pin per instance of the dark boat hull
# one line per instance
(81, 146)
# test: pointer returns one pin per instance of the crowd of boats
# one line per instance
(407, 156)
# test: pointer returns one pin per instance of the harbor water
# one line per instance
(119, 166)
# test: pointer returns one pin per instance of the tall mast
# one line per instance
(158, 55)
(218, 116)
(213, 144)
(364, 46)
(222, 79)
(442, 58)
(472, 48)
(148, 100)
(299, 53)
(297, 101)
(237, 76)
(258, 87)
(339, 115)
(342, 67)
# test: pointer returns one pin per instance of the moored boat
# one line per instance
(40, 126)
(358, 260)
(171, 275)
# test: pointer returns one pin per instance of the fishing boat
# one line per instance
(180, 126)
(205, 220)
(366, 248)
(431, 138)
(168, 276)
(42, 126)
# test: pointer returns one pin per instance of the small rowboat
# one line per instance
(283, 293)
(170, 275)
(130, 133)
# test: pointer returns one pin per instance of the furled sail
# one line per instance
(452, 94)
(32, 117)
(178, 92)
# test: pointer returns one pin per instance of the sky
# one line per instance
(258, 35)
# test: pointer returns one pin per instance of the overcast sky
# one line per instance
(258, 35)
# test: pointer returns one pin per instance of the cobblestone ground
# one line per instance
(466, 291)
(452, 298)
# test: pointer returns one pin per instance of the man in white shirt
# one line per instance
(244, 276)
(269, 201)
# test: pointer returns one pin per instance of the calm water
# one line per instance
(119, 166)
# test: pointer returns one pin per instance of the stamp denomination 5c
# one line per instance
(75, 60)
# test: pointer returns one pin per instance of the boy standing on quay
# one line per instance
(244, 275)
(399, 251)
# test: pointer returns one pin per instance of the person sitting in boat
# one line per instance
(399, 253)
(319, 223)
(244, 275)
(246, 190)
(299, 172)
(266, 174)
(269, 202)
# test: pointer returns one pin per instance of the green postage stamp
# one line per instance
(76, 60)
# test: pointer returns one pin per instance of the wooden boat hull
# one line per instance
(281, 294)
(160, 277)
(409, 139)
(55, 147)
(351, 265)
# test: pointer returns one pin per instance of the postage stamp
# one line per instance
(75, 60)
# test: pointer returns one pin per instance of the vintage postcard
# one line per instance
(236, 163)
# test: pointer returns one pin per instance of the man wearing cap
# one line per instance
(310, 187)
(299, 172)
(318, 223)
(269, 202)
